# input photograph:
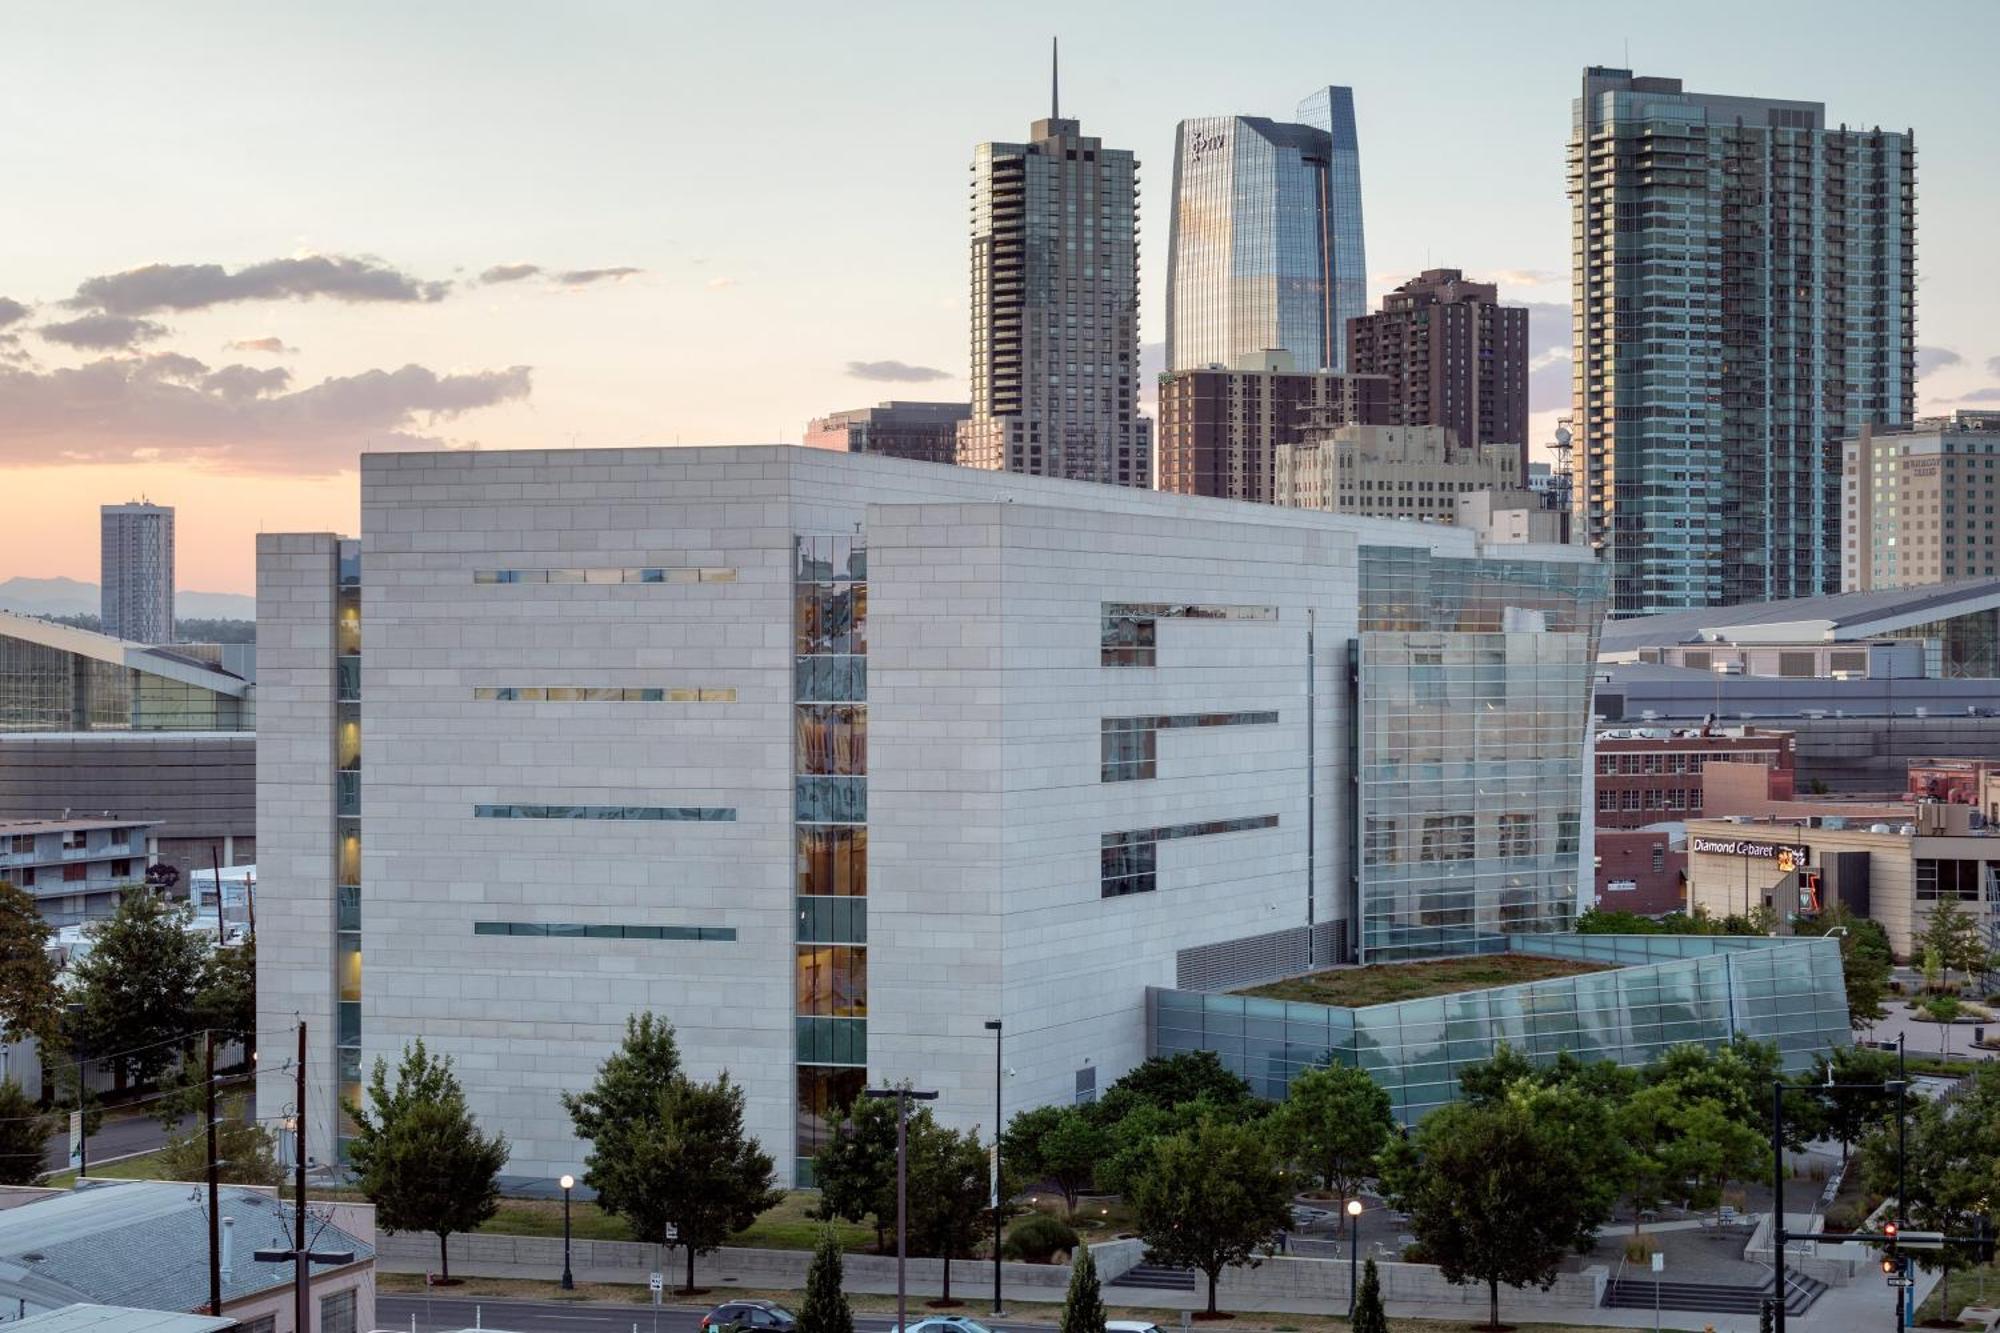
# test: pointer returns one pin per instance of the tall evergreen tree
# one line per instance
(1083, 1304)
(1369, 1317)
(825, 1309)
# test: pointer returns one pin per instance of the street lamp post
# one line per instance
(993, 1026)
(568, 1183)
(1353, 1253)
(902, 1096)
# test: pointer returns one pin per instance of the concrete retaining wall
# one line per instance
(733, 1266)
(1298, 1283)
(1276, 1283)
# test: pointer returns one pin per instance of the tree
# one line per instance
(1334, 1120)
(1933, 968)
(1056, 1143)
(686, 1161)
(1581, 1127)
(136, 987)
(1949, 1169)
(1368, 1313)
(1953, 934)
(243, 1146)
(1598, 921)
(1737, 1076)
(1488, 1081)
(825, 1309)
(1212, 1196)
(24, 1136)
(1493, 1197)
(855, 1169)
(1083, 1304)
(1943, 1011)
(1170, 1081)
(419, 1155)
(1864, 962)
(225, 999)
(1850, 1115)
(30, 1004)
(947, 1189)
(630, 1080)
(1711, 1147)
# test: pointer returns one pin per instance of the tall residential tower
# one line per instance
(1266, 249)
(1743, 282)
(137, 571)
(1055, 309)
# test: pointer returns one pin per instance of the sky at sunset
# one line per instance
(245, 243)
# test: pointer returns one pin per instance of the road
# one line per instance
(440, 1315)
(123, 1135)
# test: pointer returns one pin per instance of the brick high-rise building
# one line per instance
(1220, 429)
(1455, 357)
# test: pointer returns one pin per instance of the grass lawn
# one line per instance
(1386, 983)
(1967, 1284)
(785, 1227)
(1028, 1311)
(149, 1166)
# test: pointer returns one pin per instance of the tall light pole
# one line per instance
(568, 1183)
(993, 1026)
(902, 1096)
(1353, 1253)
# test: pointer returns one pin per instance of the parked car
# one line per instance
(1130, 1326)
(946, 1323)
(752, 1316)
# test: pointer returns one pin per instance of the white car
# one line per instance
(944, 1323)
(1130, 1326)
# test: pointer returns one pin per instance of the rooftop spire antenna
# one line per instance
(1055, 84)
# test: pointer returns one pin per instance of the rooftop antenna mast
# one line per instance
(1055, 84)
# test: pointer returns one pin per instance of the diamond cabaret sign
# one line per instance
(1788, 856)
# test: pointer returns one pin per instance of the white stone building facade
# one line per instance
(827, 758)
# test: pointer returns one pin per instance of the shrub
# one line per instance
(1639, 1249)
(1037, 1238)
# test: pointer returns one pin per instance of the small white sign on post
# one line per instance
(673, 1233)
(75, 1140)
(1659, 1262)
(656, 1284)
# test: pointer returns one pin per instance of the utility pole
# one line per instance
(82, 1121)
(214, 1193)
(902, 1096)
(301, 1260)
(221, 927)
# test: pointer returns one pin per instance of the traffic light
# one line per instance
(1891, 1262)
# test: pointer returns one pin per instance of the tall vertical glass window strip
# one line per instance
(830, 761)
(347, 831)
(1473, 685)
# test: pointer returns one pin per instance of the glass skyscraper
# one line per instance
(1266, 247)
(1743, 282)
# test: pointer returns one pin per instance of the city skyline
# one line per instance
(580, 234)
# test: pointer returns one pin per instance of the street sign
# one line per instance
(1902, 1281)
(75, 1140)
(1920, 1240)
(673, 1233)
(655, 1282)
(1659, 1262)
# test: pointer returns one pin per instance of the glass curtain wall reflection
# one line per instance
(1473, 695)
(830, 831)
(1266, 248)
(1659, 992)
(347, 830)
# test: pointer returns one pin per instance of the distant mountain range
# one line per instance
(73, 597)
